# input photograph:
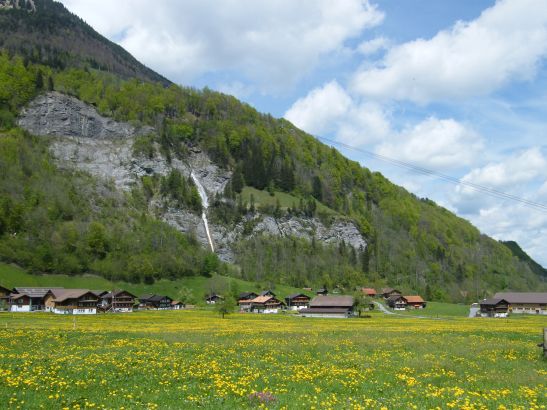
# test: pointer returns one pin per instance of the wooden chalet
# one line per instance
(534, 303)
(397, 302)
(370, 292)
(266, 304)
(387, 292)
(177, 305)
(71, 301)
(494, 307)
(155, 302)
(297, 301)
(118, 301)
(28, 299)
(213, 299)
(415, 301)
(329, 307)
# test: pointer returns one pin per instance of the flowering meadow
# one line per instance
(185, 359)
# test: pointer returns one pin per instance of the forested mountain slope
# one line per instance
(280, 188)
(44, 31)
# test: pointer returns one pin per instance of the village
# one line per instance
(59, 300)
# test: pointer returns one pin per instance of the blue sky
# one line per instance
(458, 87)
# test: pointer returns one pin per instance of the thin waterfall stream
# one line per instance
(205, 204)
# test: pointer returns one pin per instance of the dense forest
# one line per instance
(412, 242)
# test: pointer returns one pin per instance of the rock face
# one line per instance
(58, 114)
(82, 138)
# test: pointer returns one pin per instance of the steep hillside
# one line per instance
(44, 31)
(282, 206)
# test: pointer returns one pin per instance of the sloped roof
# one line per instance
(65, 294)
(266, 292)
(247, 295)
(492, 301)
(331, 301)
(117, 293)
(389, 290)
(394, 298)
(523, 297)
(414, 299)
(4, 290)
(295, 295)
(369, 291)
(261, 299)
(35, 292)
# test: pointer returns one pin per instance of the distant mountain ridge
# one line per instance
(44, 31)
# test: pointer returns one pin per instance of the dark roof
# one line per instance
(247, 295)
(523, 297)
(393, 298)
(4, 290)
(36, 292)
(99, 292)
(295, 295)
(324, 310)
(492, 302)
(117, 293)
(331, 301)
(214, 296)
(266, 292)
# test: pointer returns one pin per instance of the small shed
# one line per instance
(494, 307)
(213, 299)
(415, 301)
(397, 302)
(370, 292)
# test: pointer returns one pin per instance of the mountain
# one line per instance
(44, 31)
(118, 173)
(524, 257)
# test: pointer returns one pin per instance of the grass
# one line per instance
(185, 359)
(285, 200)
(11, 276)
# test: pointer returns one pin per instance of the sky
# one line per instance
(456, 87)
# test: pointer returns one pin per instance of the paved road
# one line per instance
(384, 309)
(390, 312)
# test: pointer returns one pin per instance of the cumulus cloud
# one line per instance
(273, 43)
(505, 43)
(370, 47)
(330, 109)
(516, 169)
(435, 143)
(320, 110)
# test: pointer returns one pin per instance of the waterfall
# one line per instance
(205, 204)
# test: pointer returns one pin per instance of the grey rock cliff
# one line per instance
(82, 138)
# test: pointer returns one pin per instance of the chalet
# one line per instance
(177, 305)
(266, 304)
(322, 292)
(157, 302)
(415, 302)
(534, 303)
(329, 307)
(494, 307)
(297, 301)
(118, 301)
(387, 292)
(4, 297)
(99, 293)
(370, 292)
(71, 301)
(213, 299)
(397, 302)
(28, 299)
(267, 293)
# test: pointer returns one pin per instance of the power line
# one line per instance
(425, 171)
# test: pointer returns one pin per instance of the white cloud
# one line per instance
(514, 170)
(372, 46)
(331, 109)
(473, 58)
(434, 143)
(321, 109)
(273, 43)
